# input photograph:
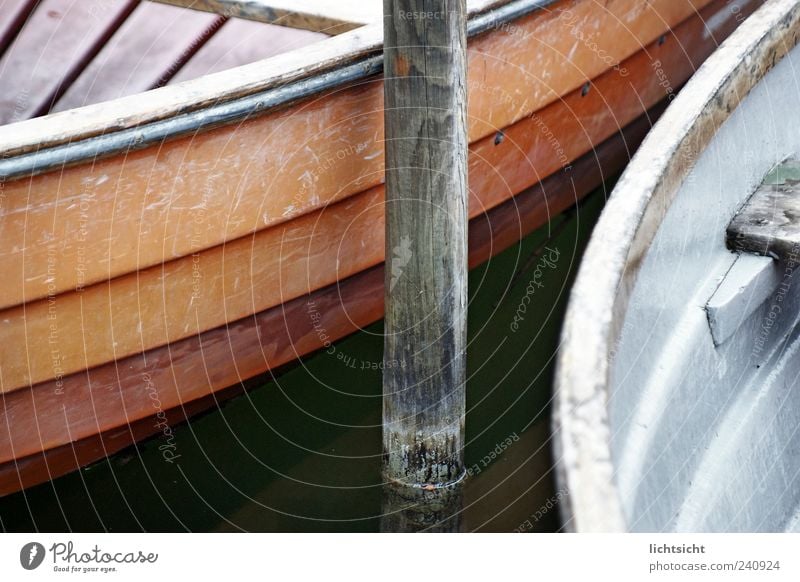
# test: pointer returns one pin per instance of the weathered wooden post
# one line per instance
(426, 262)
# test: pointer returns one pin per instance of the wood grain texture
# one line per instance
(107, 408)
(316, 15)
(307, 156)
(162, 304)
(151, 45)
(324, 16)
(59, 39)
(769, 222)
(425, 91)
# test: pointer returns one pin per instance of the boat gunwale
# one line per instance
(619, 244)
(104, 129)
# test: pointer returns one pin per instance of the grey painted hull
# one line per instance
(678, 405)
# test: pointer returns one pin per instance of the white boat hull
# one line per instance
(677, 400)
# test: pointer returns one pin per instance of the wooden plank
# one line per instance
(769, 222)
(149, 47)
(15, 14)
(307, 156)
(626, 25)
(58, 40)
(241, 42)
(424, 399)
(113, 396)
(324, 16)
(150, 307)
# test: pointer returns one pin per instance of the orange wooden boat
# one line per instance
(197, 195)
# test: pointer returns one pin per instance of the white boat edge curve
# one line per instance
(620, 241)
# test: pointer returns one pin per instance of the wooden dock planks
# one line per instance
(161, 44)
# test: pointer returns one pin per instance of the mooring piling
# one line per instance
(426, 250)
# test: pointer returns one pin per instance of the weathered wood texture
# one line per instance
(150, 307)
(769, 222)
(425, 80)
(59, 39)
(328, 16)
(421, 510)
(147, 50)
(109, 399)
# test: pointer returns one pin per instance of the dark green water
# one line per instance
(302, 451)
